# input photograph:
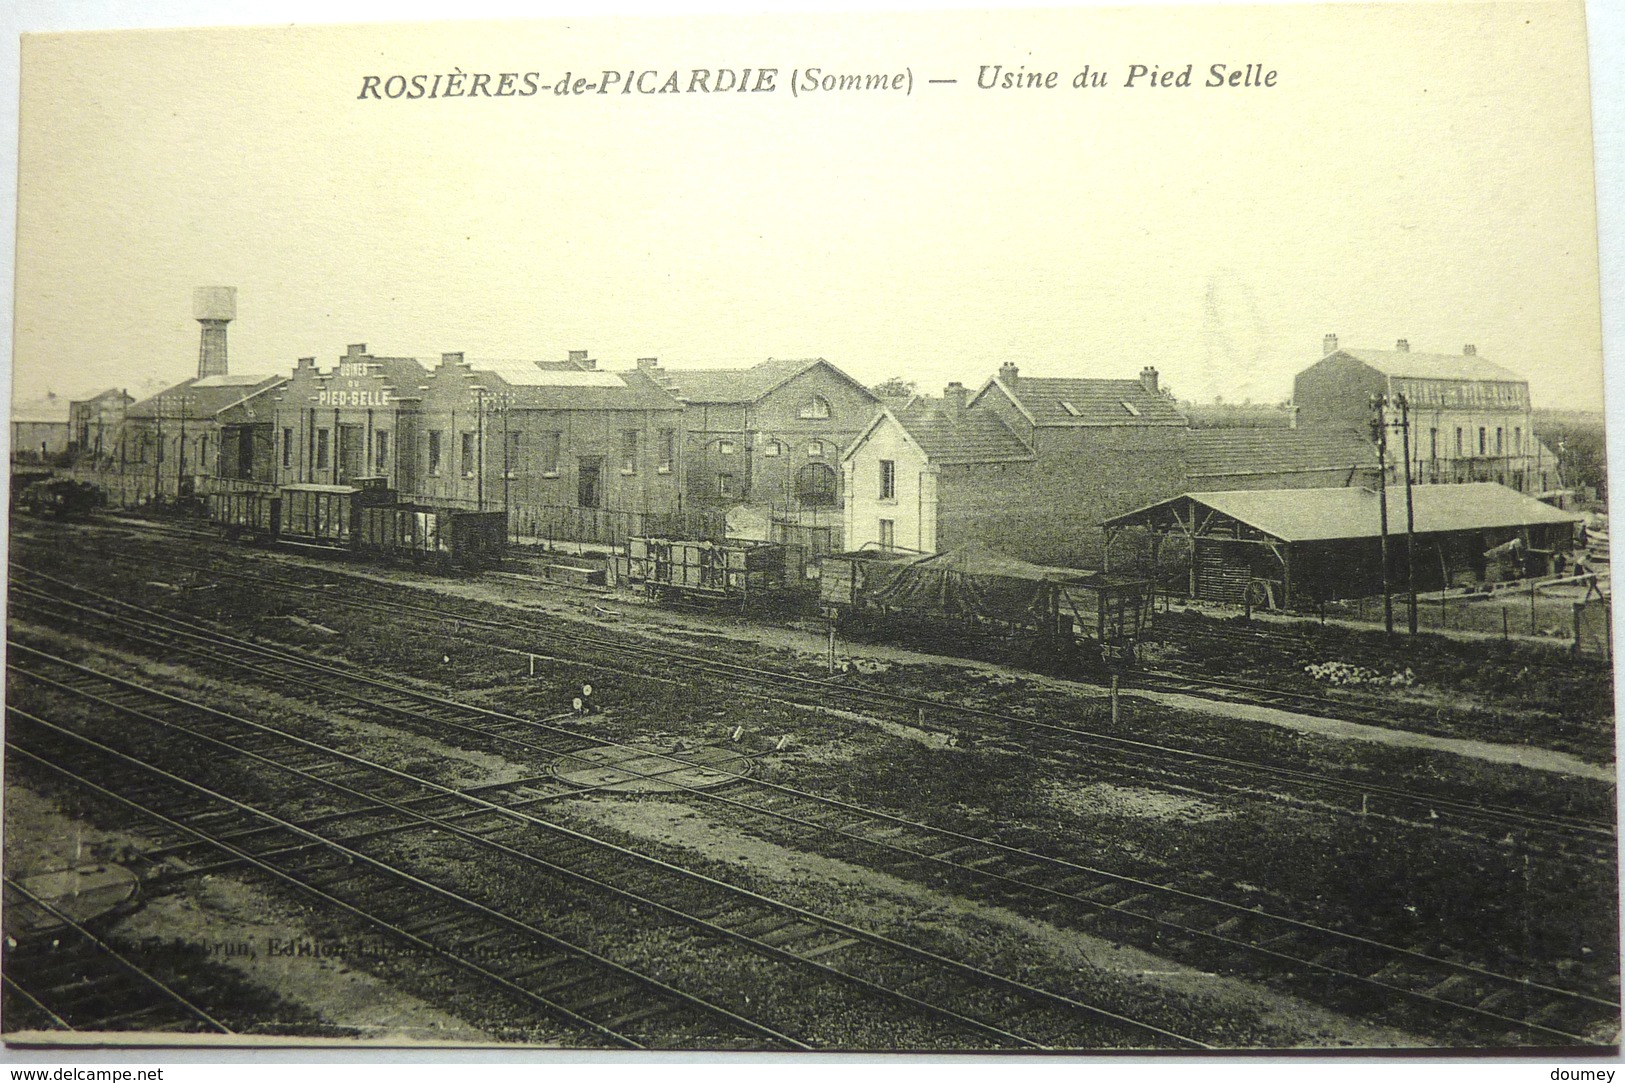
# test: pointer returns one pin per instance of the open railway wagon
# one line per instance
(1075, 618)
(448, 539)
(744, 573)
(252, 514)
(328, 515)
(64, 498)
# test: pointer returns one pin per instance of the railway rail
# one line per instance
(1085, 896)
(933, 1000)
(1591, 835)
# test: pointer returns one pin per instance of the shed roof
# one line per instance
(1303, 515)
(740, 385)
(202, 398)
(1234, 452)
(1068, 402)
(545, 373)
(1435, 366)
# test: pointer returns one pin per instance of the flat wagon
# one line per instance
(738, 572)
(450, 539)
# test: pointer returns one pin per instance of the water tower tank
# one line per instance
(214, 303)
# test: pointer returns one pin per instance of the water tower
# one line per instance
(213, 307)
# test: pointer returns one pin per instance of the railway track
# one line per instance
(923, 999)
(1216, 931)
(1594, 836)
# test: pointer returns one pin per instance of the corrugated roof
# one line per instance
(1302, 515)
(1080, 402)
(1230, 452)
(195, 399)
(1435, 366)
(974, 436)
(545, 373)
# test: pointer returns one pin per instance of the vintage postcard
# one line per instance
(1062, 530)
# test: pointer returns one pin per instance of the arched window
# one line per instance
(817, 449)
(815, 485)
(816, 410)
(772, 449)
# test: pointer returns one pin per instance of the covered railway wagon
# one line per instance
(1071, 613)
(328, 515)
(738, 572)
(448, 538)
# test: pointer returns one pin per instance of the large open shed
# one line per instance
(1295, 548)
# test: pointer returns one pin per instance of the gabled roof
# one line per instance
(203, 397)
(1433, 366)
(959, 437)
(1304, 515)
(1235, 452)
(740, 385)
(1069, 402)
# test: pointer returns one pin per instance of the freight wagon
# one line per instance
(246, 513)
(975, 589)
(328, 515)
(61, 497)
(448, 538)
(738, 572)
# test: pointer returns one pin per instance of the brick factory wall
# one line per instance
(1334, 393)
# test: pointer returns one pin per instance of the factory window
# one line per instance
(1433, 443)
(380, 459)
(287, 448)
(1483, 440)
(510, 455)
(668, 449)
(888, 533)
(550, 453)
(815, 485)
(816, 410)
(725, 485)
(772, 449)
(322, 437)
(1458, 441)
(1517, 440)
(468, 454)
(888, 479)
(629, 451)
(434, 453)
(726, 447)
(815, 450)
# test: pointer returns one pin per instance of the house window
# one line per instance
(510, 455)
(321, 449)
(888, 533)
(668, 449)
(629, 451)
(434, 453)
(815, 450)
(726, 447)
(773, 449)
(550, 453)
(287, 448)
(888, 479)
(816, 410)
(1483, 440)
(380, 462)
(468, 454)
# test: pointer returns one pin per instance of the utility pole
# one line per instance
(1410, 513)
(1379, 429)
(479, 446)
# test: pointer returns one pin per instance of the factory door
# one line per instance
(352, 453)
(589, 481)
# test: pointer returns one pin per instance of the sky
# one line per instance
(1417, 171)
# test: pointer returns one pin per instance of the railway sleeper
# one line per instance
(839, 944)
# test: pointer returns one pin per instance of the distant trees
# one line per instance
(1577, 440)
(894, 387)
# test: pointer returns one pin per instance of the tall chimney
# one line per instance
(1470, 350)
(1403, 345)
(1148, 379)
(1328, 345)
(1008, 372)
(452, 358)
(953, 398)
(580, 357)
(213, 307)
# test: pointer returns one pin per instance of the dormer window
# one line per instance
(816, 410)
(1129, 406)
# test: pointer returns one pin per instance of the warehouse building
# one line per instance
(1296, 548)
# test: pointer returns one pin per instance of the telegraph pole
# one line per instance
(1410, 513)
(1379, 429)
